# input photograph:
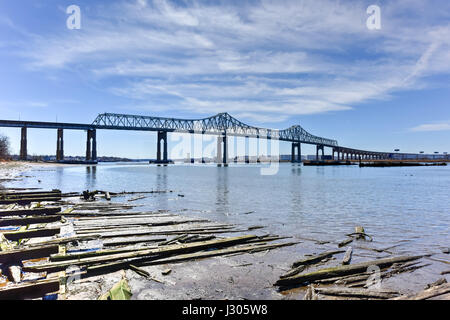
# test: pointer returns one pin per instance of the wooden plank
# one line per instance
(28, 220)
(26, 254)
(342, 270)
(358, 293)
(32, 290)
(428, 293)
(29, 200)
(27, 234)
(64, 240)
(348, 256)
(30, 212)
(158, 252)
(315, 258)
(189, 256)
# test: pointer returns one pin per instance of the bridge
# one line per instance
(222, 125)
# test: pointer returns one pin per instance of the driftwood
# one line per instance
(345, 242)
(187, 257)
(358, 293)
(154, 253)
(315, 258)
(348, 256)
(342, 270)
(428, 293)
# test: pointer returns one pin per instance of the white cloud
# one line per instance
(439, 126)
(266, 59)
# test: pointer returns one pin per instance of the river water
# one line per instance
(406, 207)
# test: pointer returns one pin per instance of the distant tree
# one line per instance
(4, 147)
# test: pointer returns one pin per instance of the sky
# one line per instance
(272, 64)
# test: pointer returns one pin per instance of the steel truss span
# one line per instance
(220, 124)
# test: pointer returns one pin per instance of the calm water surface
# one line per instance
(393, 204)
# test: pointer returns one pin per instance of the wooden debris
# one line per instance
(154, 253)
(426, 294)
(34, 233)
(345, 242)
(30, 212)
(27, 254)
(187, 257)
(359, 293)
(342, 270)
(29, 290)
(28, 221)
(315, 258)
(166, 272)
(436, 283)
(143, 273)
(15, 273)
(348, 256)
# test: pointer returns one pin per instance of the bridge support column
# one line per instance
(247, 150)
(319, 147)
(296, 152)
(91, 145)
(60, 145)
(162, 135)
(23, 144)
(222, 154)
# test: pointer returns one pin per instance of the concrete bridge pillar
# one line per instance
(60, 145)
(296, 152)
(23, 144)
(247, 150)
(222, 152)
(162, 158)
(91, 145)
(319, 147)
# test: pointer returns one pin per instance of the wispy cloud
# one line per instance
(264, 59)
(438, 126)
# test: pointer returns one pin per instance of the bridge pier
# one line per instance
(319, 147)
(247, 150)
(60, 145)
(162, 135)
(91, 145)
(222, 154)
(23, 144)
(296, 152)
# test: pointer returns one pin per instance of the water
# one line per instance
(408, 207)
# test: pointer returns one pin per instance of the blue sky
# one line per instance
(268, 63)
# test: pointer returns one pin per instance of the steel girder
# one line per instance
(220, 124)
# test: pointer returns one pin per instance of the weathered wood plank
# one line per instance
(35, 233)
(29, 220)
(32, 290)
(159, 252)
(342, 270)
(26, 254)
(30, 212)
(315, 258)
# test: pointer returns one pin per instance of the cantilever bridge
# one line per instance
(222, 125)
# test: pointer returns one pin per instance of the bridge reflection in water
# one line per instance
(222, 125)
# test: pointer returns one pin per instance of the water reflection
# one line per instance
(162, 185)
(222, 191)
(91, 176)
